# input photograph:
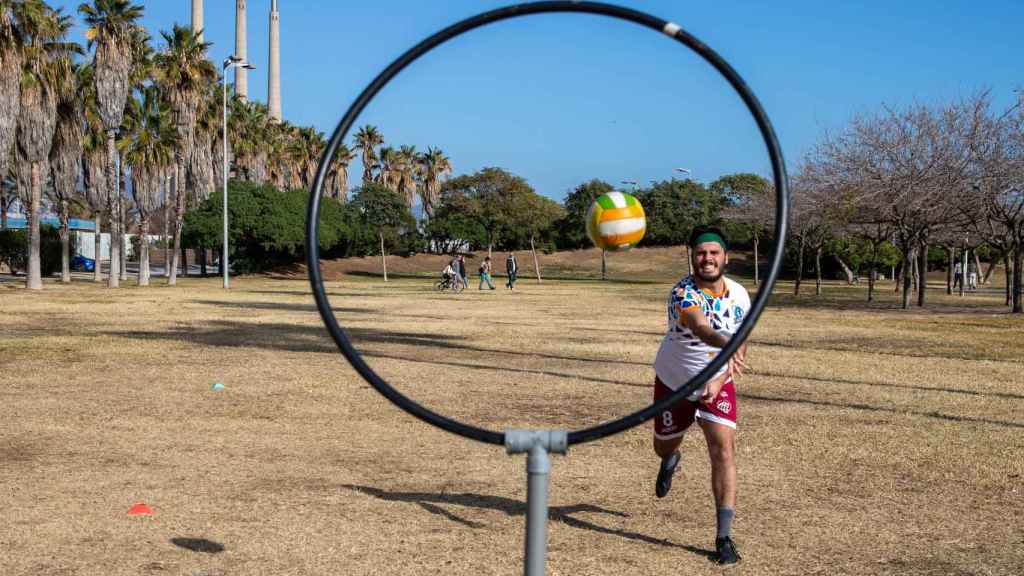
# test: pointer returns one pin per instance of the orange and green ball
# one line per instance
(616, 221)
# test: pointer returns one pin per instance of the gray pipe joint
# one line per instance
(518, 441)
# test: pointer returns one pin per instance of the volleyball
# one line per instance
(616, 221)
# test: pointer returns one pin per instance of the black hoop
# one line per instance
(668, 28)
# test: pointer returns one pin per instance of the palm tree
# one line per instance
(45, 65)
(184, 74)
(407, 169)
(337, 173)
(66, 161)
(434, 166)
(304, 148)
(388, 175)
(112, 30)
(148, 148)
(10, 78)
(94, 165)
(367, 140)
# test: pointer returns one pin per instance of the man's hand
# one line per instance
(738, 362)
(712, 388)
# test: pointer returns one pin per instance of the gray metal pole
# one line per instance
(537, 444)
(224, 253)
(538, 469)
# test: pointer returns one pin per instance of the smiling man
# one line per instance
(704, 310)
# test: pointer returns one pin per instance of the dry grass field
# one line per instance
(871, 440)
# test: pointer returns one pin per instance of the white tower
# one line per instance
(274, 69)
(197, 18)
(241, 51)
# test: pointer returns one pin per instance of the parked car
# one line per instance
(83, 263)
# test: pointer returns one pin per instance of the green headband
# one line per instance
(709, 237)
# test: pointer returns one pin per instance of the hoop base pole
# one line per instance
(537, 444)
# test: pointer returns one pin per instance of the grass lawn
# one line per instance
(871, 440)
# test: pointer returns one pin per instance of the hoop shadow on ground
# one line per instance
(567, 515)
(198, 545)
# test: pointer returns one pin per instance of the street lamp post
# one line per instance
(229, 63)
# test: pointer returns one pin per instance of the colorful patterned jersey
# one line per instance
(682, 354)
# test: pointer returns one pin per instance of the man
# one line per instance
(704, 311)
(460, 269)
(454, 266)
(511, 269)
(958, 274)
(485, 274)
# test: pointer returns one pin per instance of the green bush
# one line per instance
(14, 249)
(266, 226)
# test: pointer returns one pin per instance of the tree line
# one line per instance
(126, 131)
(921, 183)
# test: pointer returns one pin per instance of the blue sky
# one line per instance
(560, 99)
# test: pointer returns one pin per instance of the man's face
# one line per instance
(709, 261)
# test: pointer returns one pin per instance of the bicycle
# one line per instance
(449, 283)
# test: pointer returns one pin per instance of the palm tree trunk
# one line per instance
(34, 280)
(604, 264)
(65, 243)
(179, 216)
(689, 261)
(167, 236)
(97, 273)
(124, 240)
(536, 264)
(114, 206)
(143, 251)
(383, 257)
(202, 262)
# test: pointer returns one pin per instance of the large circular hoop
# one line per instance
(657, 24)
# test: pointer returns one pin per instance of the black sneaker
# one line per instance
(668, 468)
(726, 549)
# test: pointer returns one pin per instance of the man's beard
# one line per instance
(712, 278)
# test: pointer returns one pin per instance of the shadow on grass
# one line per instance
(1006, 395)
(568, 515)
(875, 347)
(305, 338)
(868, 407)
(198, 545)
(284, 306)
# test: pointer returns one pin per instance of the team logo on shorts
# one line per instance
(724, 406)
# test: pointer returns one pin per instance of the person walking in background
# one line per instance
(958, 274)
(456, 275)
(972, 277)
(460, 268)
(485, 274)
(511, 269)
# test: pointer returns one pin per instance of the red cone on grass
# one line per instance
(140, 509)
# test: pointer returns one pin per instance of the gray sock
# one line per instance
(725, 516)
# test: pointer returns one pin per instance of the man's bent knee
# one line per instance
(665, 447)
